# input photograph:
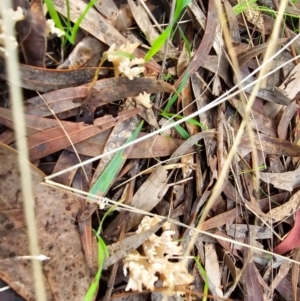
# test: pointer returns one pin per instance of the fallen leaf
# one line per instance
(159, 146)
(232, 24)
(286, 180)
(52, 140)
(46, 80)
(257, 120)
(58, 236)
(252, 287)
(292, 241)
(271, 145)
(104, 91)
(244, 57)
(118, 136)
(146, 198)
(201, 20)
(285, 289)
(143, 21)
(82, 53)
(213, 270)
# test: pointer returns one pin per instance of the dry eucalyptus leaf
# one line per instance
(67, 275)
(252, 288)
(286, 180)
(213, 270)
(282, 212)
(255, 17)
(46, 80)
(290, 87)
(118, 137)
(146, 198)
(83, 52)
(107, 9)
(143, 21)
(242, 231)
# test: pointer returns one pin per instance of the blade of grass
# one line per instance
(55, 17)
(102, 254)
(191, 121)
(159, 42)
(70, 33)
(182, 132)
(80, 19)
(104, 181)
(204, 276)
(186, 43)
(175, 95)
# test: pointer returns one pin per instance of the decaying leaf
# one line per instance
(204, 47)
(146, 198)
(83, 52)
(57, 233)
(292, 241)
(104, 91)
(213, 270)
(143, 21)
(286, 180)
(46, 80)
(285, 210)
(253, 289)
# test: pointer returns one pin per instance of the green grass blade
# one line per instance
(104, 181)
(175, 95)
(159, 42)
(182, 132)
(54, 15)
(102, 254)
(177, 116)
(80, 19)
(186, 42)
(70, 33)
(204, 276)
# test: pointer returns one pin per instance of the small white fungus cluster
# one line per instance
(123, 64)
(52, 29)
(145, 269)
(14, 16)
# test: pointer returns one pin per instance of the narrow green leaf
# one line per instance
(175, 95)
(177, 116)
(121, 53)
(182, 132)
(104, 181)
(54, 15)
(204, 276)
(102, 254)
(159, 42)
(80, 19)
(186, 42)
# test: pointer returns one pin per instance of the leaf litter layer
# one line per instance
(191, 135)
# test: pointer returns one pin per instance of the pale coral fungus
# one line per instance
(145, 269)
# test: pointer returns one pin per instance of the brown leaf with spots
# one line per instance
(46, 80)
(104, 91)
(67, 276)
